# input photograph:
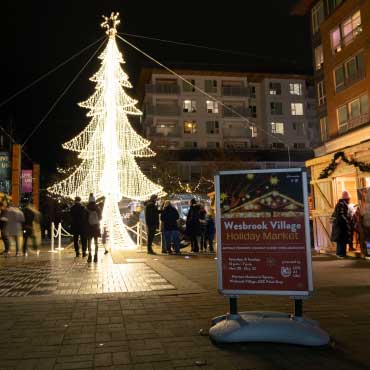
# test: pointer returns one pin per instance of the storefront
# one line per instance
(347, 169)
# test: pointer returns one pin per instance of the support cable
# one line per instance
(61, 95)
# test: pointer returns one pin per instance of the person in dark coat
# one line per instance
(78, 226)
(344, 224)
(210, 231)
(31, 226)
(93, 227)
(169, 219)
(203, 227)
(152, 221)
(193, 228)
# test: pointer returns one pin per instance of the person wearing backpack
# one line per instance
(93, 227)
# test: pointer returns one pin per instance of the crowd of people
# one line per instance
(17, 227)
(199, 228)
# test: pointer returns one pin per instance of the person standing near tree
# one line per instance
(78, 226)
(93, 227)
(152, 221)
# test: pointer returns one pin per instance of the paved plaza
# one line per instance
(136, 312)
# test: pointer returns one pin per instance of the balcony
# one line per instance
(347, 39)
(162, 110)
(236, 112)
(360, 75)
(168, 89)
(239, 132)
(166, 132)
(236, 91)
(353, 123)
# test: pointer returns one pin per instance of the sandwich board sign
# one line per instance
(263, 236)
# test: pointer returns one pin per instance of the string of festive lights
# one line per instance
(108, 145)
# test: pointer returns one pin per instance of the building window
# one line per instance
(319, 57)
(189, 106)
(324, 129)
(253, 110)
(353, 114)
(276, 108)
(165, 128)
(188, 87)
(253, 91)
(346, 32)
(298, 127)
(212, 127)
(321, 95)
(295, 88)
(212, 106)
(296, 109)
(275, 88)
(213, 144)
(277, 146)
(210, 86)
(253, 131)
(317, 16)
(190, 127)
(350, 71)
(190, 144)
(299, 146)
(277, 128)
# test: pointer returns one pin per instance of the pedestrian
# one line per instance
(342, 224)
(93, 226)
(79, 226)
(161, 229)
(152, 221)
(203, 227)
(32, 228)
(169, 218)
(104, 239)
(193, 225)
(3, 222)
(13, 228)
(210, 231)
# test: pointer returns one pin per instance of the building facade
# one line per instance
(247, 113)
(341, 50)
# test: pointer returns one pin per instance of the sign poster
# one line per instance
(4, 172)
(263, 232)
(26, 181)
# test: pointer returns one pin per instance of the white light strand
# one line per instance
(108, 146)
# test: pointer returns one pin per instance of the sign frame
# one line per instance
(236, 292)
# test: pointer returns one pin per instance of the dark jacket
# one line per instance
(78, 218)
(152, 214)
(193, 221)
(169, 218)
(211, 229)
(31, 217)
(344, 221)
(93, 230)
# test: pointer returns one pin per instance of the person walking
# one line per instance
(32, 228)
(152, 221)
(193, 228)
(169, 217)
(13, 227)
(93, 227)
(3, 222)
(78, 226)
(342, 224)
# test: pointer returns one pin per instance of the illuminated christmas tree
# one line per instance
(108, 145)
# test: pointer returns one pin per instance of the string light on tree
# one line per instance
(108, 146)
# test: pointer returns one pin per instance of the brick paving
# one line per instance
(154, 322)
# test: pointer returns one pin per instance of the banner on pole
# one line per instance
(263, 233)
(26, 181)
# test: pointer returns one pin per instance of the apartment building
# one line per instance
(247, 113)
(340, 41)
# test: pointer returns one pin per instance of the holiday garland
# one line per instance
(326, 172)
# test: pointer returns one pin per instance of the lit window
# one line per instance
(190, 127)
(189, 106)
(321, 95)
(275, 88)
(188, 87)
(212, 106)
(277, 128)
(296, 109)
(253, 131)
(295, 88)
(319, 57)
(276, 108)
(212, 127)
(317, 16)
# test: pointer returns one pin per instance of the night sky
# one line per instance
(39, 35)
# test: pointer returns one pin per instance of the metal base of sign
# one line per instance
(267, 326)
